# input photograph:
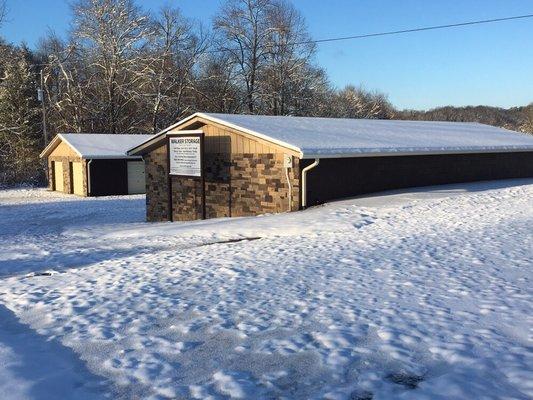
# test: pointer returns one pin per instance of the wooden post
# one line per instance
(202, 163)
(169, 183)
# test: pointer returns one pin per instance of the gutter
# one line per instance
(304, 181)
(420, 152)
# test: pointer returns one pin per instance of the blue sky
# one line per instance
(488, 64)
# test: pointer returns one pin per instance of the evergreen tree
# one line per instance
(20, 128)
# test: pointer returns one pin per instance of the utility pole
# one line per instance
(40, 97)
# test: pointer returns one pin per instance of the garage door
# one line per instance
(77, 178)
(58, 176)
(136, 182)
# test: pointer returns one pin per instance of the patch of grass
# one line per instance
(364, 395)
(408, 380)
(230, 241)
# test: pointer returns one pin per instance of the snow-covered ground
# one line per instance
(424, 294)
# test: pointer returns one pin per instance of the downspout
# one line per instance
(304, 180)
(89, 177)
(290, 187)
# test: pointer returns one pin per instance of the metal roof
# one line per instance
(97, 145)
(343, 137)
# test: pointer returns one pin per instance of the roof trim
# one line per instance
(419, 152)
(54, 143)
(207, 117)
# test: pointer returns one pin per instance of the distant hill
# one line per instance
(515, 118)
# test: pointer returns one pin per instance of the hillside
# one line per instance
(516, 118)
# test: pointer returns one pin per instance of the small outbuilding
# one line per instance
(91, 164)
(221, 165)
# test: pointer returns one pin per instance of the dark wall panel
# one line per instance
(109, 177)
(346, 177)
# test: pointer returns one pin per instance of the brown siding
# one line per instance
(355, 176)
(63, 150)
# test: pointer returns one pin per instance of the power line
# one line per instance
(390, 33)
(399, 32)
(426, 28)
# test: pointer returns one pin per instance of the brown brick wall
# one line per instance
(259, 184)
(238, 185)
(218, 185)
(156, 172)
(66, 172)
(186, 199)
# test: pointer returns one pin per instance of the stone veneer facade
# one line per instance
(235, 185)
(67, 182)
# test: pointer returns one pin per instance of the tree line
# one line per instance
(122, 69)
(514, 118)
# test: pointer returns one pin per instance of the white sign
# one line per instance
(185, 154)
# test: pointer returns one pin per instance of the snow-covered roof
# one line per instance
(97, 145)
(342, 137)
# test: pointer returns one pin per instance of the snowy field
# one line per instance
(424, 294)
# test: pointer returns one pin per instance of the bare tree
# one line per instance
(527, 124)
(352, 102)
(110, 34)
(286, 74)
(65, 85)
(3, 11)
(215, 86)
(243, 32)
(167, 73)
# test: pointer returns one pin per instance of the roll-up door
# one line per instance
(136, 181)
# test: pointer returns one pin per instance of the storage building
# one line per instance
(89, 164)
(219, 165)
